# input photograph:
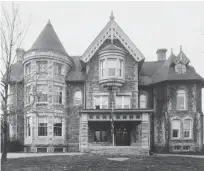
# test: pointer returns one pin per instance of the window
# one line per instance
(111, 67)
(58, 68)
(101, 102)
(28, 69)
(176, 125)
(42, 67)
(187, 128)
(28, 90)
(143, 101)
(28, 126)
(181, 100)
(58, 97)
(42, 93)
(42, 126)
(78, 98)
(57, 127)
(180, 68)
(177, 148)
(122, 102)
(100, 136)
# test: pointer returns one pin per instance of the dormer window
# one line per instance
(180, 68)
(111, 67)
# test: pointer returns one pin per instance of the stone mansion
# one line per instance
(107, 99)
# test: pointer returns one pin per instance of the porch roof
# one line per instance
(99, 111)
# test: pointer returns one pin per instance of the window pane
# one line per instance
(187, 124)
(143, 101)
(181, 97)
(119, 102)
(57, 129)
(176, 124)
(112, 65)
(126, 101)
(175, 133)
(104, 102)
(78, 98)
(97, 101)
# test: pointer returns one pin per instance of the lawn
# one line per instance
(100, 162)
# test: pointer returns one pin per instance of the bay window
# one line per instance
(111, 67)
(122, 102)
(101, 102)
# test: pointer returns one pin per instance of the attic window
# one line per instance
(180, 68)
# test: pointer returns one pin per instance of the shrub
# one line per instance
(15, 146)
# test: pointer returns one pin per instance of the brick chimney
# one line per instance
(161, 54)
(20, 53)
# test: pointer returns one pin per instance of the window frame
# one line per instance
(101, 101)
(100, 136)
(28, 96)
(56, 68)
(56, 128)
(43, 127)
(77, 98)
(104, 69)
(145, 101)
(28, 126)
(28, 69)
(57, 99)
(41, 70)
(180, 68)
(172, 129)
(123, 101)
(190, 129)
(184, 95)
(43, 93)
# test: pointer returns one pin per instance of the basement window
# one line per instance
(177, 148)
(42, 150)
(186, 148)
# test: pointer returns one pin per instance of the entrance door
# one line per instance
(122, 137)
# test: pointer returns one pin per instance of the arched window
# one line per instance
(78, 98)
(187, 126)
(175, 128)
(143, 101)
(181, 100)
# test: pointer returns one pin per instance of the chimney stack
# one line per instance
(161, 54)
(20, 53)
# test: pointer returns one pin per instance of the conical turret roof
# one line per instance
(49, 40)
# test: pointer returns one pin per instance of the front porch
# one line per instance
(131, 131)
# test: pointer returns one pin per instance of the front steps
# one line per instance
(117, 150)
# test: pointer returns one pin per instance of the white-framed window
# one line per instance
(175, 128)
(58, 95)
(122, 102)
(42, 126)
(57, 126)
(78, 97)
(181, 100)
(28, 95)
(41, 66)
(42, 93)
(187, 128)
(180, 68)
(111, 67)
(28, 126)
(28, 69)
(143, 101)
(101, 101)
(57, 69)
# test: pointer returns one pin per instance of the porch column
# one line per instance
(145, 131)
(83, 139)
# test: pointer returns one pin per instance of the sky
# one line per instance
(150, 25)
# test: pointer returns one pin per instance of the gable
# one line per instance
(112, 32)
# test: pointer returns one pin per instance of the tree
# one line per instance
(12, 36)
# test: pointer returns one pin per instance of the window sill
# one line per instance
(41, 103)
(175, 139)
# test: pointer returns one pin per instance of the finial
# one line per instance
(112, 16)
(180, 48)
(48, 21)
(171, 50)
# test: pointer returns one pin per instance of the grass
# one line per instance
(90, 162)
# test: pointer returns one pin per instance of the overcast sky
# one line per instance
(150, 25)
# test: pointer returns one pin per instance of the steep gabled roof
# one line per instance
(112, 31)
(76, 73)
(49, 40)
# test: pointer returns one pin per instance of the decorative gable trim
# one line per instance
(112, 31)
